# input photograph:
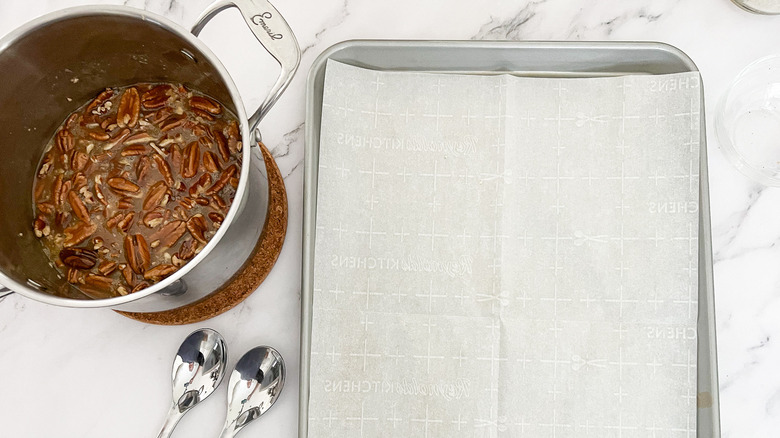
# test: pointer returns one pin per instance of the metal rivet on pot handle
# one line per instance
(273, 32)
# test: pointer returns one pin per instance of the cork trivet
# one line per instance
(249, 276)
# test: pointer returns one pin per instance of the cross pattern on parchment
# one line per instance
(554, 424)
(395, 357)
(376, 113)
(468, 116)
(438, 116)
(433, 235)
(427, 357)
(427, 421)
(692, 175)
(558, 177)
(362, 418)
(460, 421)
(365, 354)
(394, 418)
(493, 358)
(367, 292)
(430, 295)
(373, 172)
(370, 232)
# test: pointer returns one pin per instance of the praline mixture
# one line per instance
(134, 184)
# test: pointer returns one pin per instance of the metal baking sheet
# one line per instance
(540, 59)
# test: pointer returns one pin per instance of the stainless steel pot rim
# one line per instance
(246, 135)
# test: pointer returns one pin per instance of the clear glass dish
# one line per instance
(769, 7)
(747, 121)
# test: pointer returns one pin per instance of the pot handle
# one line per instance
(273, 32)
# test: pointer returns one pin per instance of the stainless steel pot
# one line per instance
(54, 64)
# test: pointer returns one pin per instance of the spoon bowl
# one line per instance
(198, 369)
(254, 386)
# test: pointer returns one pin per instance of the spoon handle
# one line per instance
(171, 420)
(229, 430)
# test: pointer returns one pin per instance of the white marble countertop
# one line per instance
(93, 373)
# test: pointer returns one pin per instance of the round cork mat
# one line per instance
(249, 276)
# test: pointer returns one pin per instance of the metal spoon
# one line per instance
(254, 386)
(197, 371)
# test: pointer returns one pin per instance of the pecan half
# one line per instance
(134, 150)
(78, 258)
(46, 208)
(159, 272)
(121, 185)
(191, 159)
(78, 233)
(205, 104)
(216, 217)
(219, 203)
(56, 191)
(202, 114)
(79, 209)
(197, 226)
(210, 162)
(99, 135)
(71, 120)
(153, 219)
(175, 156)
(64, 188)
(139, 286)
(156, 97)
(187, 250)
(155, 195)
(125, 203)
(79, 161)
(165, 170)
(98, 282)
(172, 122)
(127, 274)
(223, 180)
(129, 107)
(137, 253)
(187, 202)
(169, 234)
(64, 141)
(107, 267)
(142, 168)
(79, 181)
(222, 146)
